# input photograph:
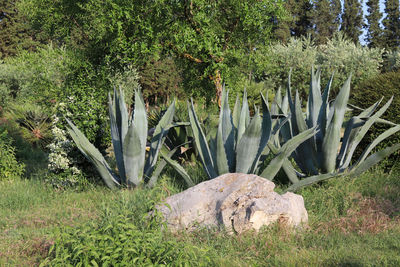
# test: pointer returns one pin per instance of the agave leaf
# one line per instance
(379, 139)
(178, 168)
(323, 113)
(286, 166)
(314, 98)
(221, 155)
(116, 140)
(201, 143)
(266, 126)
(374, 159)
(308, 147)
(352, 128)
(284, 152)
(277, 103)
(134, 154)
(161, 165)
(122, 113)
(361, 133)
(248, 146)
(226, 136)
(312, 180)
(236, 113)
(93, 155)
(244, 118)
(158, 138)
(332, 137)
(150, 164)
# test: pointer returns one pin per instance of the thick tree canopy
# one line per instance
(208, 34)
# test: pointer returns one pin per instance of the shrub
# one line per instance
(10, 168)
(366, 93)
(125, 235)
(339, 55)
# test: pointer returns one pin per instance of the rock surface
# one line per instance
(234, 201)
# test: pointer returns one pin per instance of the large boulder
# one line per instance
(234, 201)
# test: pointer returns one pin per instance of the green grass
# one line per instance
(352, 222)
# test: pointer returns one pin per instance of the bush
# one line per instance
(339, 55)
(368, 92)
(124, 235)
(10, 169)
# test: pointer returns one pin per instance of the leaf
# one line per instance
(201, 142)
(312, 180)
(116, 140)
(284, 152)
(134, 154)
(314, 98)
(266, 127)
(361, 133)
(248, 146)
(160, 166)
(374, 159)
(332, 137)
(377, 140)
(157, 140)
(93, 155)
(244, 118)
(226, 135)
(178, 168)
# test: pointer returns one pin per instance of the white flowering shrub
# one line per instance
(63, 168)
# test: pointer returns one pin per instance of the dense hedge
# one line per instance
(371, 90)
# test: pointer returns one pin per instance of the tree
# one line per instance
(326, 19)
(212, 35)
(391, 33)
(352, 20)
(298, 21)
(374, 33)
(14, 31)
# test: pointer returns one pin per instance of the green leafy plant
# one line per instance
(129, 138)
(240, 144)
(328, 154)
(10, 168)
(33, 124)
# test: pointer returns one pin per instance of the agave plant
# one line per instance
(240, 144)
(129, 138)
(327, 154)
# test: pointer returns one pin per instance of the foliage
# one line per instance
(240, 143)
(383, 85)
(127, 79)
(10, 168)
(129, 137)
(32, 122)
(327, 154)
(374, 33)
(123, 235)
(326, 19)
(391, 22)
(392, 61)
(338, 55)
(36, 77)
(160, 80)
(15, 33)
(352, 20)
(210, 37)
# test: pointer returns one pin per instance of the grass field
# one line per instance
(352, 222)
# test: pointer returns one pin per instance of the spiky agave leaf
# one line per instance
(93, 155)
(332, 137)
(201, 143)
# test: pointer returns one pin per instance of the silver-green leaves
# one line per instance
(330, 152)
(129, 139)
(240, 143)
